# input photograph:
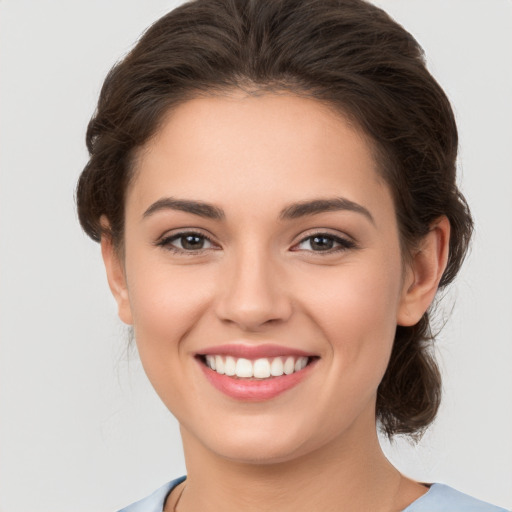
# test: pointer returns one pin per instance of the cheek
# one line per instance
(166, 302)
(357, 311)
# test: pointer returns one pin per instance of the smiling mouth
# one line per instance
(257, 369)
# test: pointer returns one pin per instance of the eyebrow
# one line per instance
(316, 206)
(186, 205)
(293, 211)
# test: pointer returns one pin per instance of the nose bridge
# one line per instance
(252, 292)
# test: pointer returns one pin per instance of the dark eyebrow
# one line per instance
(292, 211)
(186, 205)
(316, 206)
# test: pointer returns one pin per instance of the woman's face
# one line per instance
(258, 229)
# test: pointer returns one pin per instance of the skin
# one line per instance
(260, 280)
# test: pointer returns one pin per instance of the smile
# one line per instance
(255, 373)
(263, 368)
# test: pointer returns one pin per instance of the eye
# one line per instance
(324, 242)
(186, 242)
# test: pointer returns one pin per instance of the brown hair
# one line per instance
(347, 53)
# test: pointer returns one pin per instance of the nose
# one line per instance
(253, 293)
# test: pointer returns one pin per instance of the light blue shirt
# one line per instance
(439, 498)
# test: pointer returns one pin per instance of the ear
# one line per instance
(115, 274)
(424, 273)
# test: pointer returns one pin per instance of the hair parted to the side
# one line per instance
(346, 53)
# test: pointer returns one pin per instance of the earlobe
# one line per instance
(116, 276)
(424, 273)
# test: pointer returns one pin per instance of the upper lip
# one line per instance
(253, 351)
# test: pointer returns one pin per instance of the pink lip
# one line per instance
(254, 351)
(254, 390)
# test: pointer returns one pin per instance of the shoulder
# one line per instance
(442, 498)
(155, 501)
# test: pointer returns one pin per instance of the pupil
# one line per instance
(322, 242)
(192, 242)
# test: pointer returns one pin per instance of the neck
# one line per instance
(351, 473)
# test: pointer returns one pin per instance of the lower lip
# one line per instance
(255, 390)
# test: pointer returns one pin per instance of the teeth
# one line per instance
(230, 366)
(210, 361)
(243, 368)
(219, 365)
(260, 368)
(276, 368)
(289, 365)
(300, 363)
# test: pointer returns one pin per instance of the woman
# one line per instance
(273, 187)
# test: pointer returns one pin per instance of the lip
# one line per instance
(254, 390)
(253, 351)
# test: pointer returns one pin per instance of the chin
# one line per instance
(256, 443)
(256, 454)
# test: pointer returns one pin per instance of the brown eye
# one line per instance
(192, 242)
(186, 242)
(324, 242)
(321, 243)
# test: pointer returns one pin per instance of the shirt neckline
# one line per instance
(423, 497)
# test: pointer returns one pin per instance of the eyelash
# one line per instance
(344, 243)
(166, 243)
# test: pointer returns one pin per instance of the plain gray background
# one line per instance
(80, 427)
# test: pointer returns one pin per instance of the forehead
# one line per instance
(244, 149)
